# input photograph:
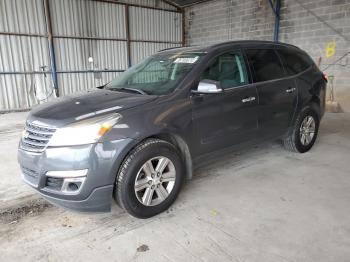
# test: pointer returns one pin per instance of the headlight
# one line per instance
(84, 132)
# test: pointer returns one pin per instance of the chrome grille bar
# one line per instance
(36, 137)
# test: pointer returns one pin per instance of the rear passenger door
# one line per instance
(277, 93)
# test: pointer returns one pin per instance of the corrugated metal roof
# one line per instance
(183, 3)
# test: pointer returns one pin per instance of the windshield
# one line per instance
(156, 75)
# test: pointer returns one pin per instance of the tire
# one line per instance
(137, 166)
(294, 141)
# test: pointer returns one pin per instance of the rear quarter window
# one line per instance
(295, 61)
(265, 63)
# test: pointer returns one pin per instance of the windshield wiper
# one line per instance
(130, 89)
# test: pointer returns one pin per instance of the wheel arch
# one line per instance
(312, 102)
(181, 145)
(174, 139)
(315, 104)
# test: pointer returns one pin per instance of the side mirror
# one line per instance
(206, 86)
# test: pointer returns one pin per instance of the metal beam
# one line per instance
(183, 25)
(127, 28)
(51, 46)
(155, 41)
(90, 71)
(25, 72)
(169, 2)
(276, 8)
(93, 38)
(23, 34)
(89, 38)
(277, 21)
(272, 6)
(195, 3)
(127, 39)
(136, 5)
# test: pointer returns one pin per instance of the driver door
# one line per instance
(229, 117)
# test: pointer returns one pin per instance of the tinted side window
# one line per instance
(265, 64)
(229, 69)
(295, 61)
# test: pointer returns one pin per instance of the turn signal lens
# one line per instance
(104, 129)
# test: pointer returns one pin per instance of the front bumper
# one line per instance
(102, 161)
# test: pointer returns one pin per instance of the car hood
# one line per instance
(73, 108)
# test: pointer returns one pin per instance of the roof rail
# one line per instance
(176, 47)
(170, 48)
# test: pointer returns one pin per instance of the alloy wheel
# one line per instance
(155, 180)
(307, 130)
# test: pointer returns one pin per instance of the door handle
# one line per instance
(290, 90)
(248, 99)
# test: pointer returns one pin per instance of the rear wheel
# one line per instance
(149, 179)
(304, 133)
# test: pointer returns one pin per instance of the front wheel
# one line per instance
(304, 133)
(149, 179)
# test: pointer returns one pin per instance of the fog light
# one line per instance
(73, 180)
(72, 185)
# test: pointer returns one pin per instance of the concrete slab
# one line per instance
(262, 204)
(11, 186)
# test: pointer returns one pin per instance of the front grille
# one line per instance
(36, 137)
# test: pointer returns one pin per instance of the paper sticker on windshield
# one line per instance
(186, 60)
